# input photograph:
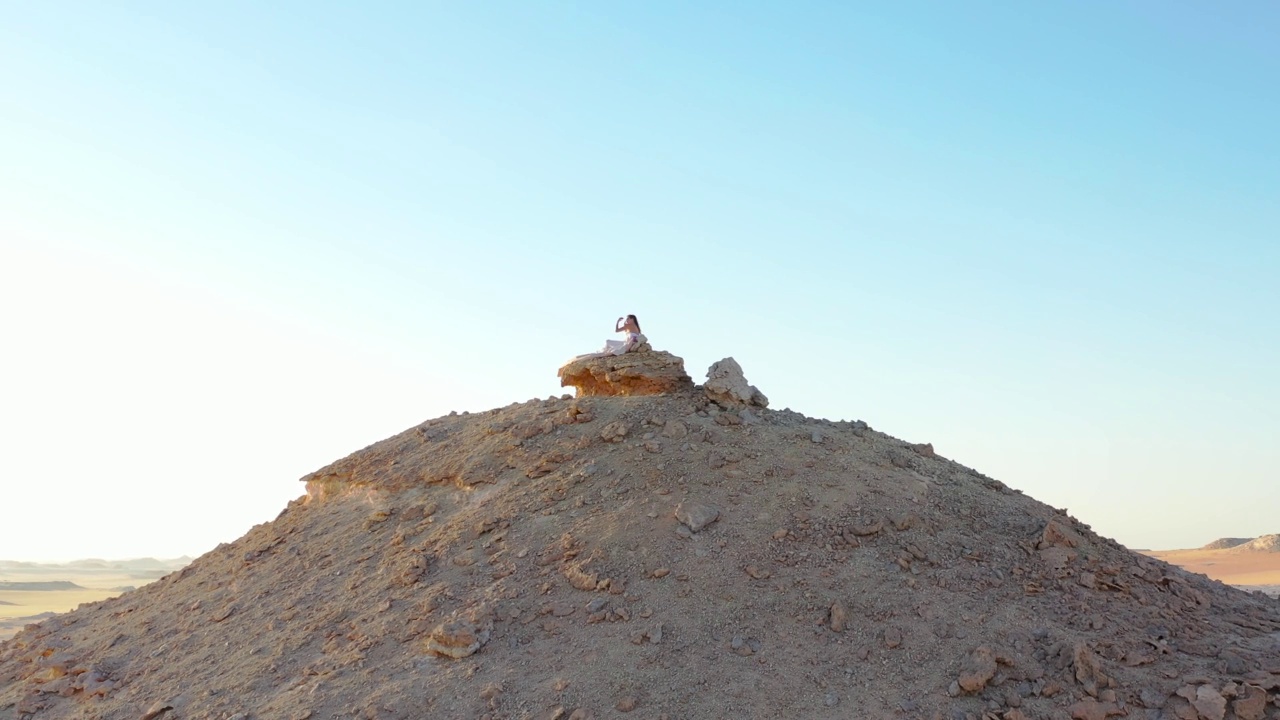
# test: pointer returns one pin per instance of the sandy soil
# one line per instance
(1253, 571)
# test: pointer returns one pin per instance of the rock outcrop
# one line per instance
(1224, 543)
(1263, 544)
(727, 386)
(654, 372)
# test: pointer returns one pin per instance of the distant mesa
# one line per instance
(49, 585)
(1264, 544)
(1224, 543)
(98, 565)
(5, 602)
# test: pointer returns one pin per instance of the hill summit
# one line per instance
(684, 554)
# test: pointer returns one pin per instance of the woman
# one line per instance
(631, 326)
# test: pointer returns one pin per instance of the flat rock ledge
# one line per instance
(655, 372)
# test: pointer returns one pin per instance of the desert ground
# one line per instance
(1249, 566)
(31, 591)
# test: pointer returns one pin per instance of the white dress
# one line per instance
(620, 347)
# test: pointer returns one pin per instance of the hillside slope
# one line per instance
(551, 547)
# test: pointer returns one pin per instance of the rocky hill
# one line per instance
(622, 554)
(1224, 543)
(1264, 544)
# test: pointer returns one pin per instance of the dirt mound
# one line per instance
(1224, 543)
(1264, 544)
(664, 557)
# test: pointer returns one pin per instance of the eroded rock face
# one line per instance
(727, 385)
(636, 373)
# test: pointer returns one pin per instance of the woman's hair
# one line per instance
(633, 319)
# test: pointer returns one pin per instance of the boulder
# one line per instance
(726, 385)
(654, 372)
(696, 515)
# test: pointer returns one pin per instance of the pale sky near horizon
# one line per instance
(238, 242)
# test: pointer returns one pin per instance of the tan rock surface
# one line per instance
(653, 372)
(727, 385)
(523, 526)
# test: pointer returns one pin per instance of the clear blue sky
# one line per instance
(238, 242)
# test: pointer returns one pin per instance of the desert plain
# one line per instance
(1247, 563)
(31, 591)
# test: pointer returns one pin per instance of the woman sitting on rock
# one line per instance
(631, 326)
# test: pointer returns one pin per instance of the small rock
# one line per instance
(1090, 709)
(978, 670)
(157, 708)
(830, 699)
(697, 515)
(614, 431)
(457, 639)
(1210, 703)
(866, 530)
(839, 616)
(892, 637)
(1250, 702)
(626, 704)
